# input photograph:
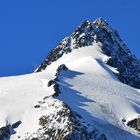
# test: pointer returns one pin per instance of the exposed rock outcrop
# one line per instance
(135, 124)
(6, 131)
(63, 124)
(60, 122)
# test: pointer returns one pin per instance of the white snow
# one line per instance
(89, 88)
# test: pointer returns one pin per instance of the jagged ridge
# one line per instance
(62, 123)
(112, 45)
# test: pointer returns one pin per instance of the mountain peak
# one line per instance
(85, 23)
(100, 32)
(100, 21)
(79, 95)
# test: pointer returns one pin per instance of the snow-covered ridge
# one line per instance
(60, 122)
(111, 44)
(78, 96)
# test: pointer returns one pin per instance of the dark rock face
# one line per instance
(112, 45)
(63, 124)
(37, 106)
(74, 130)
(120, 56)
(54, 82)
(51, 82)
(16, 124)
(5, 131)
(135, 124)
(56, 53)
(62, 67)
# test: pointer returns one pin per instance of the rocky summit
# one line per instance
(112, 45)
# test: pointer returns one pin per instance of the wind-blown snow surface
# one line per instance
(89, 88)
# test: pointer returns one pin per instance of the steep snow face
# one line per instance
(89, 88)
(101, 99)
(100, 32)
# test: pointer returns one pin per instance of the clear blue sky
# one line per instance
(29, 29)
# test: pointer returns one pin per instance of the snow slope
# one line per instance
(89, 88)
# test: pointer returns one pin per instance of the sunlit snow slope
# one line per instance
(89, 88)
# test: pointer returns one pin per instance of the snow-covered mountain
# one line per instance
(111, 44)
(88, 88)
